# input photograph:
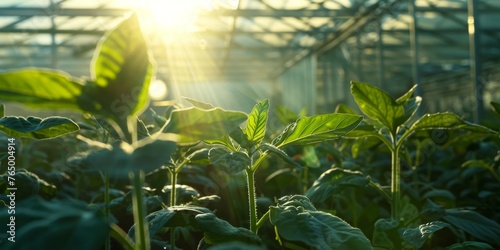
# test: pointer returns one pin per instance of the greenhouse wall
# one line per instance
(298, 86)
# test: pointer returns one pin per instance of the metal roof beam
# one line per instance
(346, 30)
(250, 13)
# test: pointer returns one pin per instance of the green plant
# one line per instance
(122, 177)
(392, 122)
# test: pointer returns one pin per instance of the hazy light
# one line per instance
(176, 14)
(157, 90)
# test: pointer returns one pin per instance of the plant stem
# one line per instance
(252, 200)
(141, 226)
(173, 182)
(173, 198)
(263, 219)
(395, 182)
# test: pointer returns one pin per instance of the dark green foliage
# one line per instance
(37, 128)
(55, 224)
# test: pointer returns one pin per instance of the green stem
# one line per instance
(263, 219)
(395, 182)
(252, 200)
(173, 182)
(141, 226)
(173, 200)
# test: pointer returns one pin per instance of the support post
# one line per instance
(415, 49)
(475, 58)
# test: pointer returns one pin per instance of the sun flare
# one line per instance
(176, 14)
(157, 90)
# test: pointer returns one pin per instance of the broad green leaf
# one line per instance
(199, 104)
(280, 153)
(296, 201)
(31, 183)
(42, 88)
(317, 129)
(195, 124)
(316, 229)
(417, 236)
(121, 158)
(257, 121)
(470, 245)
(333, 181)
(173, 216)
(475, 224)
(37, 128)
(496, 107)
(229, 162)
(121, 71)
(55, 224)
(217, 231)
(378, 105)
(448, 121)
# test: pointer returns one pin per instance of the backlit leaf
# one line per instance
(37, 128)
(121, 71)
(417, 236)
(41, 88)
(257, 121)
(317, 129)
(448, 121)
(378, 105)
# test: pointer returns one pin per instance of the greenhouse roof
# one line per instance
(250, 40)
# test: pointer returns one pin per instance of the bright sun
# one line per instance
(157, 90)
(176, 14)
